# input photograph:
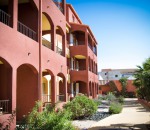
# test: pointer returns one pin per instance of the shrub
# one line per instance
(115, 108)
(97, 101)
(121, 99)
(110, 96)
(48, 120)
(81, 106)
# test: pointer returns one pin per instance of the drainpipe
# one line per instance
(40, 51)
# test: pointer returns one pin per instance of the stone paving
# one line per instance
(133, 117)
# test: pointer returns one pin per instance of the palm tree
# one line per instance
(142, 80)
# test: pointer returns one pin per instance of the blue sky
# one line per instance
(121, 27)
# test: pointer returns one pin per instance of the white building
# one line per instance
(116, 74)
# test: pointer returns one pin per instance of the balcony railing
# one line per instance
(26, 31)
(90, 46)
(4, 106)
(77, 43)
(58, 3)
(59, 50)
(60, 98)
(4, 17)
(46, 98)
(46, 43)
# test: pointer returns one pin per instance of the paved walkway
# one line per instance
(133, 117)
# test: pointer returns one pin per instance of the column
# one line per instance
(72, 92)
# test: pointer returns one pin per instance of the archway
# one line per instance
(90, 88)
(47, 31)
(79, 87)
(47, 86)
(61, 87)
(5, 86)
(27, 89)
(60, 41)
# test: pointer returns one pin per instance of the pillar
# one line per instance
(72, 91)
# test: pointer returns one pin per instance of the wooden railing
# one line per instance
(4, 106)
(26, 31)
(4, 17)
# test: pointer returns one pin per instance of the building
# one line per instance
(109, 80)
(46, 53)
(116, 74)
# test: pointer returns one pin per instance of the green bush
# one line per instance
(81, 106)
(115, 108)
(47, 120)
(97, 101)
(110, 96)
(121, 99)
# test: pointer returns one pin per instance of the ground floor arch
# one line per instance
(27, 89)
(48, 86)
(78, 87)
(61, 88)
(5, 86)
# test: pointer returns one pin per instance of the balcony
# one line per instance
(58, 3)
(77, 43)
(92, 48)
(4, 18)
(46, 43)
(26, 31)
(59, 50)
(60, 98)
(4, 106)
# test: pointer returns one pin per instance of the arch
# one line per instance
(93, 89)
(59, 31)
(47, 23)
(61, 87)
(27, 89)
(6, 85)
(47, 31)
(60, 41)
(48, 92)
(90, 88)
(79, 87)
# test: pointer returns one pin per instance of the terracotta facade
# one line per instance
(46, 53)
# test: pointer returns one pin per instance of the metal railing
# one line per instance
(58, 3)
(26, 31)
(4, 106)
(61, 98)
(46, 98)
(4, 17)
(46, 43)
(59, 50)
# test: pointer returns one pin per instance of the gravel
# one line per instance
(87, 122)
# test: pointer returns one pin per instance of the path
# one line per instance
(133, 117)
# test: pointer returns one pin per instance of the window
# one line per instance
(116, 75)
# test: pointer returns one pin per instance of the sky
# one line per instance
(121, 28)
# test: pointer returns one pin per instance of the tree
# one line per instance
(123, 82)
(142, 81)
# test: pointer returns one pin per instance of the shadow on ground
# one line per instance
(122, 127)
